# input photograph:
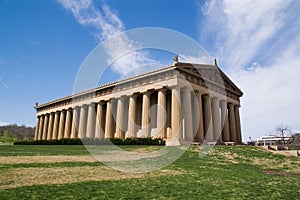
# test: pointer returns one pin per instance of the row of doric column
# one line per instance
(178, 112)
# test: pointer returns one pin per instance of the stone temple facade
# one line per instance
(183, 103)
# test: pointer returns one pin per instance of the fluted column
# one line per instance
(50, 126)
(75, 123)
(36, 134)
(200, 131)
(109, 120)
(61, 129)
(99, 132)
(238, 124)
(176, 113)
(131, 116)
(90, 130)
(45, 127)
(82, 122)
(208, 127)
(187, 114)
(216, 119)
(145, 115)
(162, 113)
(224, 122)
(68, 123)
(41, 127)
(55, 125)
(232, 125)
(120, 126)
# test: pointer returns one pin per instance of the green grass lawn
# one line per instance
(238, 172)
(42, 150)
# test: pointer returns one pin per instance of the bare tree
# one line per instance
(282, 131)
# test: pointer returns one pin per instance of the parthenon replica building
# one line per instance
(183, 103)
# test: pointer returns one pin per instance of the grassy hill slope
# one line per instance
(238, 172)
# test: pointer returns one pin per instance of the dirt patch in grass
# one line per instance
(12, 178)
(230, 157)
(286, 152)
(44, 159)
(142, 149)
(281, 173)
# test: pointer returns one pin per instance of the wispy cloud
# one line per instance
(241, 29)
(107, 23)
(3, 84)
(258, 43)
(37, 43)
(23, 56)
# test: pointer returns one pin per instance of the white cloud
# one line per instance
(3, 123)
(240, 28)
(258, 44)
(270, 98)
(107, 24)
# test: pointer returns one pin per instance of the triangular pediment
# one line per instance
(210, 72)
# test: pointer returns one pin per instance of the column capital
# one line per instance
(148, 92)
(134, 95)
(230, 105)
(214, 99)
(206, 96)
(122, 97)
(163, 89)
(198, 92)
(177, 87)
(237, 105)
(185, 88)
(92, 103)
(101, 102)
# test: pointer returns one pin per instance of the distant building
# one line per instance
(272, 140)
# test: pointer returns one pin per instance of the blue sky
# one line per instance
(256, 42)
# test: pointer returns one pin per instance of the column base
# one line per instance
(172, 142)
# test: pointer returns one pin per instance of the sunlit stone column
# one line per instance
(232, 126)
(90, 130)
(162, 113)
(145, 115)
(45, 128)
(82, 122)
(99, 132)
(109, 120)
(187, 114)
(216, 119)
(68, 123)
(41, 127)
(120, 133)
(75, 123)
(176, 114)
(61, 129)
(200, 132)
(208, 126)
(224, 122)
(131, 117)
(238, 124)
(36, 134)
(50, 126)
(55, 125)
